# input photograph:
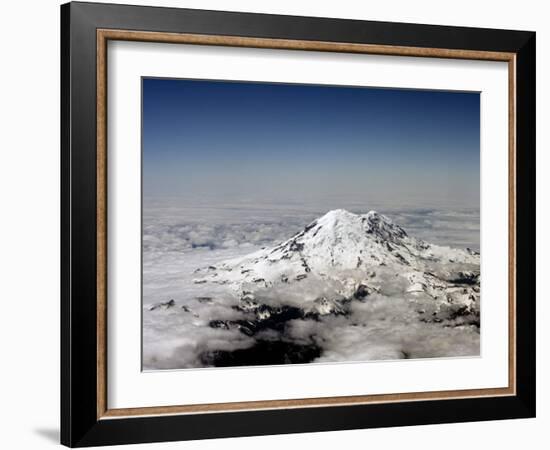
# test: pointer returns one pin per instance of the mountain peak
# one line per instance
(344, 214)
(343, 256)
(371, 223)
(383, 226)
(334, 246)
(336, 215)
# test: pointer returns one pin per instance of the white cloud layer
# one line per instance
(179, 240)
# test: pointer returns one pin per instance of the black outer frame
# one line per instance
(79, 423)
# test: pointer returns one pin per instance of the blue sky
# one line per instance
(282, 140)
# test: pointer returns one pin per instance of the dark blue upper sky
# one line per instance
(234, 137)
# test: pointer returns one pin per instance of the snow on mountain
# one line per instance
(348, 287)
(343, 256)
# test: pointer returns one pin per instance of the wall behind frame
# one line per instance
(29, 195)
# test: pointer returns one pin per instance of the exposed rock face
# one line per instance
(166, 305)
(264, 352)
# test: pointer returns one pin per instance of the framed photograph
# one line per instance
(277, 224)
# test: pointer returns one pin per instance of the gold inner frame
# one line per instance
(104, 35)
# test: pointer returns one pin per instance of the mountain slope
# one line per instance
(342, 257)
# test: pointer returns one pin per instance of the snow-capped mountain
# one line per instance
(342, 257)
(348, 287)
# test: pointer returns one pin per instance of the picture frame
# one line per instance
(86, 418)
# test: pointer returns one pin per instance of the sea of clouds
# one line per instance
(180, 237)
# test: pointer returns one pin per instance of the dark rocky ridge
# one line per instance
(262, 353)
